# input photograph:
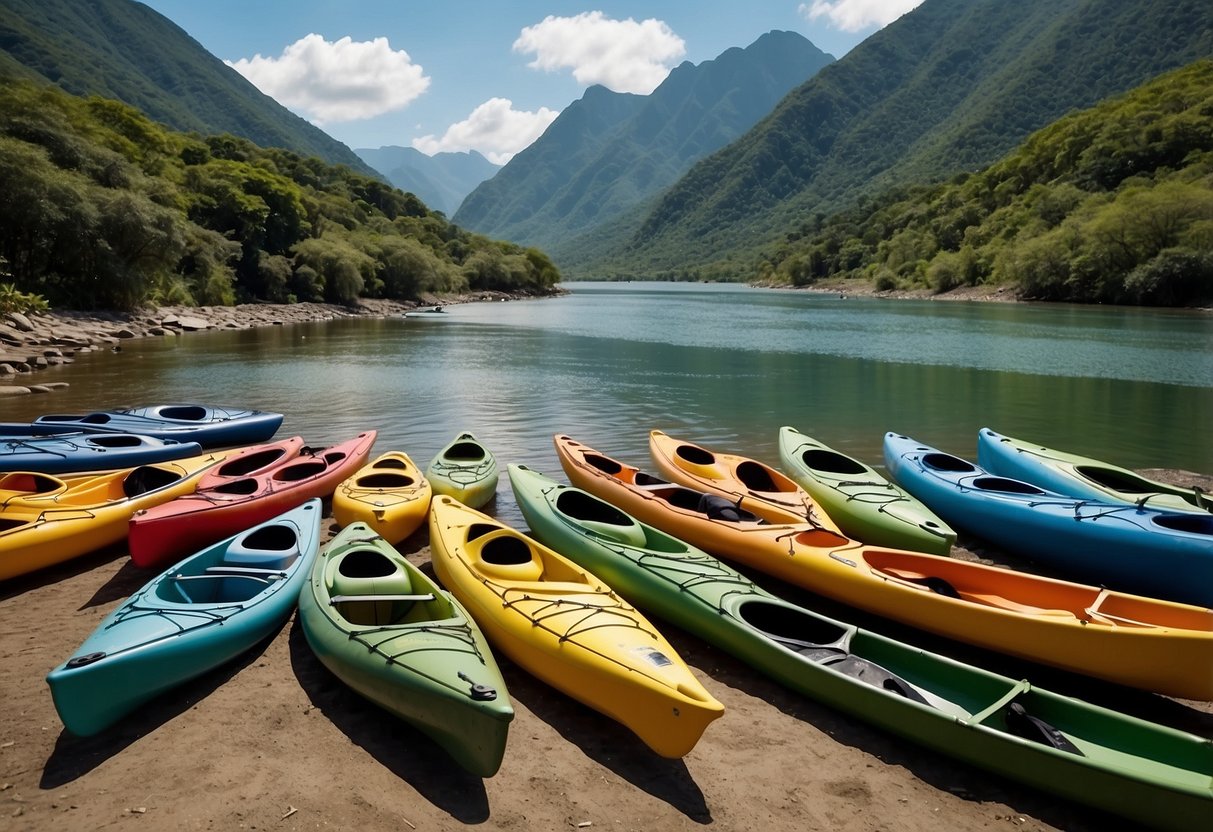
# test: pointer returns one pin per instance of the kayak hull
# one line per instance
(390, 495)
(168, 532)
(188, 620)
(424, 661)
(864, 504)
(466, 470)
(1080, 476)
(565, 626)
(89, 513)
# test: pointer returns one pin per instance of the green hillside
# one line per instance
(105, 208)
(608, 152)
(947, 88)
(124, 50)
(1113, 204)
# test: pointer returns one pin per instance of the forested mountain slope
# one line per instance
(126, 51)
(1113, 205)
(949, 87)
(610, 151)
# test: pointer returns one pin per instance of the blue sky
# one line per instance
(480, 74)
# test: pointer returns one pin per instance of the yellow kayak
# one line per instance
(735, 477)
(390, 495)
(62, 518)
(1156, 645)
(567, 627)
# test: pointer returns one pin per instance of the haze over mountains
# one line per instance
(440, 181)
(609, 151)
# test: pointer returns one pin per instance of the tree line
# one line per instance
(105, 208)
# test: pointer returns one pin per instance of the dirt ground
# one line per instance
(275, 742)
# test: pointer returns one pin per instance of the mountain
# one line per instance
(441, 181)
(949, 87)
(608, 152)
(126, 51)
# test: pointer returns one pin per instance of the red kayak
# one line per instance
(169, 532)
(252, 462)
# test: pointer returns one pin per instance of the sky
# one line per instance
(486, 75)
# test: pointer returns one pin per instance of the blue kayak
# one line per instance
(1146, 551)
(210, 427)
(198, 614)
(79, 452)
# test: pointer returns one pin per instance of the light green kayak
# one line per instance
(392, 634)
(466, 470)
(1150, 773)
(1081, 476)
(865, 505)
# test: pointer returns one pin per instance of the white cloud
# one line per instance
(622, 55)
(337, 81)
(854, 15)
(494, 128)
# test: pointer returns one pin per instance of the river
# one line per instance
(722, 365)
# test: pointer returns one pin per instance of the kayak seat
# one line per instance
(718, 508)
(507, 558)
(366, 572)
(268, 547)
(147, 478)
(1013, 606)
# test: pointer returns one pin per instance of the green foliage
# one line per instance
(1112, 205)
(105, 209)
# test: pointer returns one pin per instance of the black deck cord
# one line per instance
(1022, 724)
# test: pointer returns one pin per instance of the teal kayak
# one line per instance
(393, 635)
(466, 470)
(1150, 773)
(864, 504)
(197, 615)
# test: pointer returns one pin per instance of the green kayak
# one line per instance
(466, 470)
(865, 505)
(389, 632)
(1150, 773)
(1081, 476)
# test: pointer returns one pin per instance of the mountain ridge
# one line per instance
(608, 152)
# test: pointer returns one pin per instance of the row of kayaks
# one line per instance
(559, 604)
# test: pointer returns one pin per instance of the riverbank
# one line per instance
(33, 342)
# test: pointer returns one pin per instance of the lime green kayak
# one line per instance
(865, 505)
(466, 470)
(392, 634)
(1150, 773)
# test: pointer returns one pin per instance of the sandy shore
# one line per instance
(274, 741)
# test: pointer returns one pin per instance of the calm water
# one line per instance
(722, 365)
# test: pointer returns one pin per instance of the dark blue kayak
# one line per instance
(80, 452)
(209, 426)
